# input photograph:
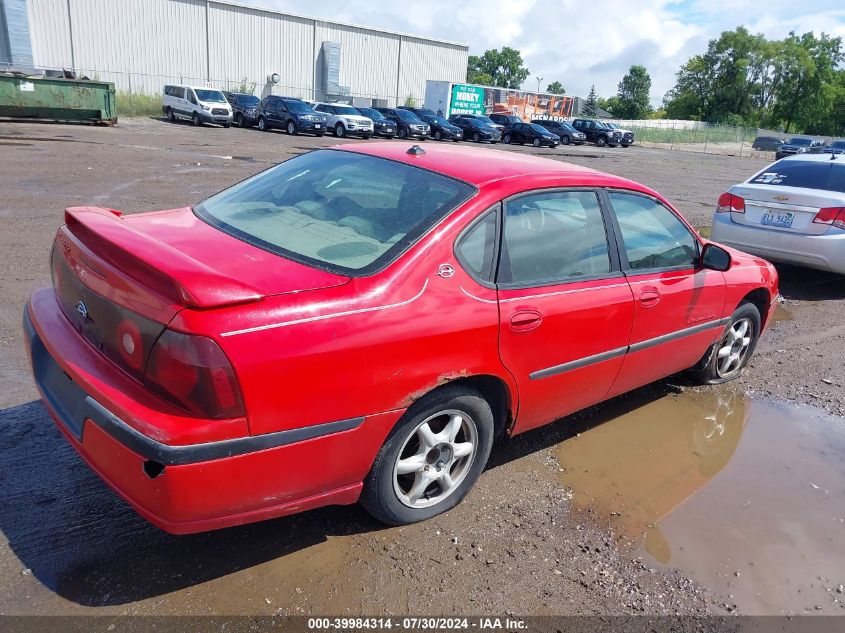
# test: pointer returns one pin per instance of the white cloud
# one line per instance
(580, 43)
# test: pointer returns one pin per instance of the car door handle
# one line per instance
(649, 297)
(526, 320)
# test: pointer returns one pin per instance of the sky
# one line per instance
(583, 43)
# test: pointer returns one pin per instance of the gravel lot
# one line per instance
(515, 546)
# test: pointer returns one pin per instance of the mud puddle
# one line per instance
(746, 496)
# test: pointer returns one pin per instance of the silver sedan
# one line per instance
(793, 211)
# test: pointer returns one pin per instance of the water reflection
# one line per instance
(747, 496)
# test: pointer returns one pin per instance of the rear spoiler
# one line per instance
(160, 267)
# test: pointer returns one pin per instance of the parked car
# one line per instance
(483, 118)
(627, 135)
(196, 385)
(598, 132)
(837, 147)
(408, 124)
(289, 114)
(566, 132)
(504, 121)
(532, 133)
(244, 108)
(767, 143)
(382, 126)
(420, 112)
(199, 105)
(476, 129)
(799, 145)
(792, 211)
(441, 129)
(343, 120)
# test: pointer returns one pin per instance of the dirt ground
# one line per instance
(519, 544)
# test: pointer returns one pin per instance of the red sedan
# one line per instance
(360, 323)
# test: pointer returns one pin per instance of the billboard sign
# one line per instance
(470, 99)
(466, 100)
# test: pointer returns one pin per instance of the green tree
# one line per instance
(693, 92)
(556, 88)
(634, 94)
(611, 104)
(591, 105)
(501, 68)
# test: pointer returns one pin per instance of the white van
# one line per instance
(200, 105)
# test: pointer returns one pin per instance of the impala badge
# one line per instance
(445, 271)
(82, 309)
(781, 198)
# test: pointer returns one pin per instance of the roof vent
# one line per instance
(416, 150)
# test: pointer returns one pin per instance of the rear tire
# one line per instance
(170, 116)
(431, 459)
(726, 359)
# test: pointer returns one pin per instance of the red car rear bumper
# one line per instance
(183, 486)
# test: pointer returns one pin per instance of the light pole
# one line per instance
(539, 81)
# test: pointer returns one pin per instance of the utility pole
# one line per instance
(539, 81)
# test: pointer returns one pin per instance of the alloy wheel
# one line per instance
(734, 347)
(435, 458)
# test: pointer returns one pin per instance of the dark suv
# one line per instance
(598, 132)
(507, 121)
(475, 128)
(566, 132)
(407, 123)
(382, 126)
(799, 145)
(530, 133)
(290, 114)
(244, 108)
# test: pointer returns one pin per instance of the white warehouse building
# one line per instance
(142, 44)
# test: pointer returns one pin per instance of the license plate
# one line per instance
(782, 219)
(316, 126)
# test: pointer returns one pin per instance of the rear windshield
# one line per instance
(828, 175)
(336, 210)
(249, 100)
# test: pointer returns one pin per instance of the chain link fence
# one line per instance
(695, 136)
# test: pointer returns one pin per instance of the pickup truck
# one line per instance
(598, 132)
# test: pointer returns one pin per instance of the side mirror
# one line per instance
(715, 258)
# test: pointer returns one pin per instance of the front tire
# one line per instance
(239, 121)
(195, 120)
(339, 130)
(291, 128)
(601, 141)
(432, 457)
(726, 359)
(506, 139)
(438, 135)
(536, 142)
(403, 133)
(565, 140)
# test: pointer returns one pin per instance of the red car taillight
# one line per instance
(730, 203)
(833, 215)
(194, 373)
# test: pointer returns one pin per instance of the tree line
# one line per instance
(796, 84)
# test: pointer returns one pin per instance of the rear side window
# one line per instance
(828, 175)
(477, 248)
(653, 236)
(341, 211)
(553, 237)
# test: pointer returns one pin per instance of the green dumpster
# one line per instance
(57, 99)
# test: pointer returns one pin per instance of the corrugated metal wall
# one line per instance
(142, 44)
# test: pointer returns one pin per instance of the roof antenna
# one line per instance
(416, 150)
